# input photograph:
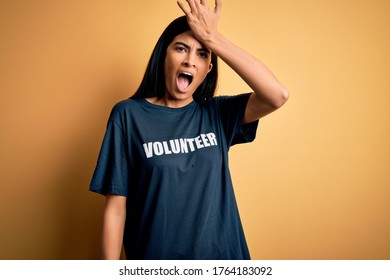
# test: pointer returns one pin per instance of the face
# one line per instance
(187, 63)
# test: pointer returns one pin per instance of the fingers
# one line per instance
(195, 6)
(198, 4)
(218, 6)
(204, 3)
(183, 8)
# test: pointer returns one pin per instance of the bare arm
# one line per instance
(269, 93)
(113, 226)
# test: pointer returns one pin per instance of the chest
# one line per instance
(175, 142)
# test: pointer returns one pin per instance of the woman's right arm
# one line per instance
(114, 218)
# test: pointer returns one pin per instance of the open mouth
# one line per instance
(184, 79)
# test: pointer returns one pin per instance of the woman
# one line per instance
(163, 165)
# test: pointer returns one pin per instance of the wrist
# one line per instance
(214, 42)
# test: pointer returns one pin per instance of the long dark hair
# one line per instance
(153, 82)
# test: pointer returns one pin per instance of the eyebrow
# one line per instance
(188, 47)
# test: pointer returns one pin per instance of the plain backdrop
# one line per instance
(313, 185)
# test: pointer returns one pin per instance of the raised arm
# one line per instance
(113, 226)
(269, 93)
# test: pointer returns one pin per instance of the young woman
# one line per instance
(163, 165)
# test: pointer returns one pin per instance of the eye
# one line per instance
(203, 55)
(180, 49)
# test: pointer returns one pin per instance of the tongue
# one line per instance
(182, 83)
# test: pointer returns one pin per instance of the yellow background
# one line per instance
(313, 185)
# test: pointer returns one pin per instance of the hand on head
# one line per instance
(202, 20)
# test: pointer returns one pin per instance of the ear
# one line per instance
(210, 67)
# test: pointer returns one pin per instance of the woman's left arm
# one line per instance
(269, 94)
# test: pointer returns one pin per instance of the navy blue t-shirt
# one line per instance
(172, 165)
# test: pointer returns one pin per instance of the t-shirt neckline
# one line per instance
(150, 105)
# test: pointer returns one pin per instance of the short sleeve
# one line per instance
(111, 172)
(232, 111)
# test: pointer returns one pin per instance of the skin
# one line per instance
(268, 93)
(114, 217)
(184, 54)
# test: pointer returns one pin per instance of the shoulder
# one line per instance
(126, 104)
(124, 107)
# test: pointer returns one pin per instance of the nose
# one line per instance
(189, 61)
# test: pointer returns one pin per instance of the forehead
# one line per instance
(189, 39)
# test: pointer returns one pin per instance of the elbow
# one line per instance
(280, 98)
(284, 96)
